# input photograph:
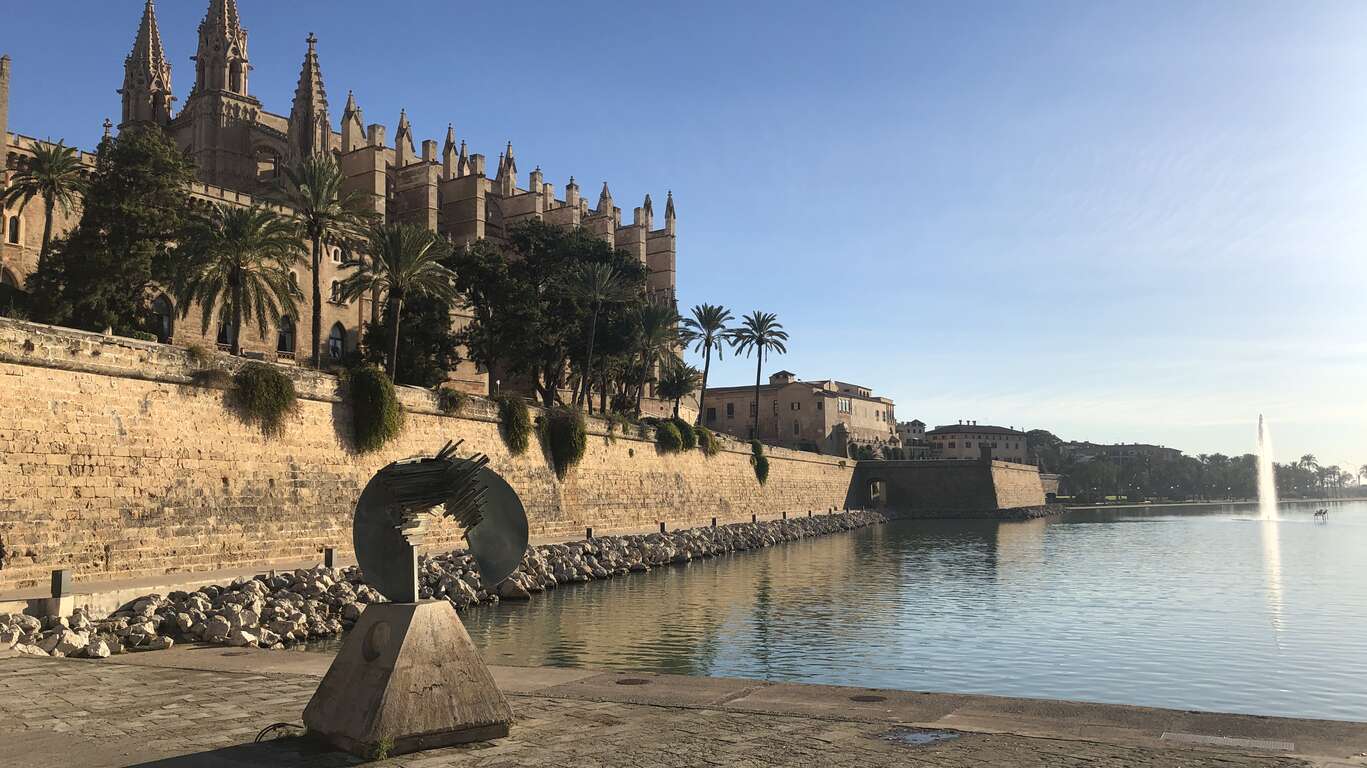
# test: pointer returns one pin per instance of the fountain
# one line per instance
(1267, 474)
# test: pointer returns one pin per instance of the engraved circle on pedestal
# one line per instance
(376, 641)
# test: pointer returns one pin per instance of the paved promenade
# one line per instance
(193, 707)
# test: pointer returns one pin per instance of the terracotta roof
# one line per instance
(979, 429)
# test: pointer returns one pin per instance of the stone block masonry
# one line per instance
(113, 464)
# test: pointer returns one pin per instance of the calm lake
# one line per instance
(1201, 607)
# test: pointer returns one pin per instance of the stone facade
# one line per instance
(966, 441)
(825, 415)
(112, 463)
(946, 488)
(240, 150)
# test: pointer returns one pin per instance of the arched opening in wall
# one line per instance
(284, 344)
(337, 342)
(877, 494)
(163, 319)
(224, 339)
(13, 299)
(336, 292)
(12, 233)
(267, 166)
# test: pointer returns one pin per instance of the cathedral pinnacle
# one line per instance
(221, 62)
(310, 126)
(605, 200)
(669, 206)
(146, 74)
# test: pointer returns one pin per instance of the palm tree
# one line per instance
(677, 381)
(404, 260)
(596, 283)
(707, 330)
(761, 333)
(1362, 472)
(237, 264)
(55, 174)
(659, 325)
(326, 215)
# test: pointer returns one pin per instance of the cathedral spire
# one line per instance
(605, 200)
(221, 64)
(404, 154)
(146, 75)
(310, 130)
(669, 206)
(353, 125)
(450, 157)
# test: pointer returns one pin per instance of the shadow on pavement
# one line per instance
(295, 752)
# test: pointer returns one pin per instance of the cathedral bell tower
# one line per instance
(147, 76)
(310, 130)
(219, 126)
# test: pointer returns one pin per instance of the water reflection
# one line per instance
(1192, 608)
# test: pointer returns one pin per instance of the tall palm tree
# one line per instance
(659, 324)
(237, 264)
(1362, 472)
(326, 215)
(677, 381)
(596, 283)
(55, 174)
(762, 334)
(706, 330)
(404, 260)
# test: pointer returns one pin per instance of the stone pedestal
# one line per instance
(409, 677)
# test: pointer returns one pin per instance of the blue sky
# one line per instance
(1120, 221)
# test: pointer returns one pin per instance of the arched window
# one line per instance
(223, 340)
(12, 231)
(336, 292)
(336, 255)
(164, 317)
(285, 343)
(337, 342)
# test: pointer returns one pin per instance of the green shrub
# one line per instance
(709, 443)
(142, 336)
(515, 423)
(689, 437)
(451, 401)
(198, 356)
(759, 461)
(212, 378)
(376, 414)
(667, 437)
(266, 395)
(566, 436)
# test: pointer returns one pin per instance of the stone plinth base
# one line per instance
(409, 678)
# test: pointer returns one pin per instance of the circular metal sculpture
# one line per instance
(393, 511)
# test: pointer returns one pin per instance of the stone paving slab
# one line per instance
(84, 714)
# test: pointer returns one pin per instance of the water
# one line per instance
(1209, 608)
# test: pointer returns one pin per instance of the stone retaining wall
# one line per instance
(113, 464)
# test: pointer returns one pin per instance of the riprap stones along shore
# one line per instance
(281, 609)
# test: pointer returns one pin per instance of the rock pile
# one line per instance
(280, 609)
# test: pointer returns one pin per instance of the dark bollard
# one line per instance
(809, 513)
(662, 527)
(714, 522)
(329, 557)
(754, 519)
(785, 515)
(61, 583)
(588, 534)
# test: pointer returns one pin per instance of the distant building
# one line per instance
(1118, 452)
(824, 415)
(966, 440)
(912, 435)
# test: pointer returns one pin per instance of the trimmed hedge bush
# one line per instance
(515, 423)
(143, 336)
(686, 433)
(451, 401)
(708, 442)
(376, 415)
(212, 378)
(266, 396)
(760, 461)
(566, 437)
(199, 356)
(667, 437)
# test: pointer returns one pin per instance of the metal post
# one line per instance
(785, 515)
(662, 527)
(329, 557)
(754, 518)
(588, 533)
(714, 522)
